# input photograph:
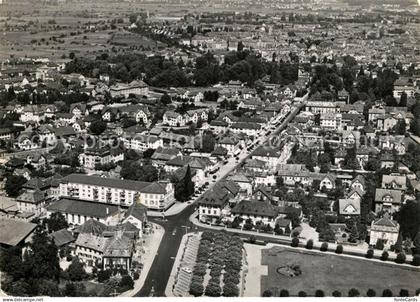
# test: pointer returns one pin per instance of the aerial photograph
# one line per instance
(209, 148)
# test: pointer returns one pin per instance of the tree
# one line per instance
(400, 258)
(230, 290)
(404, 293)
(14, 185)
(208, 142)
(302, 294)
(56, 222)
(41, 260)
(384, 256)
(213, 288)
(135, 171)
(369, 253)
(336, 293)
(267, 293)
(350, 160)
(324, 247)
(196, 288)
(354, 293)
(407, 217)
(309, 244)
(295, 242)
(104, 275)
(284, 293)
(126, 283)
(97, 127)
(184, 188)
(76, 270)
(319, 293)
(339, 249)
(379, 244)
(416, 260)
(387, 293)
(370, 293)
(400, 127)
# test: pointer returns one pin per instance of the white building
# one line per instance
(154, 195)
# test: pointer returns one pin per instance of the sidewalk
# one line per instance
(177, 208)
(152, 244)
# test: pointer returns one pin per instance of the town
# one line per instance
(189, 148)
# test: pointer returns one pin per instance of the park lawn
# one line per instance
(330, 272)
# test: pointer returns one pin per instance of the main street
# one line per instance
(176, 226)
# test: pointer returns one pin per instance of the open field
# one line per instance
(329, 272)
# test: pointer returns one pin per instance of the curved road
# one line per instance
(175, 227)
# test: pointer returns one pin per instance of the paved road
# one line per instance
(160, 271)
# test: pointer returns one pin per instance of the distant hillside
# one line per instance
(402, 3)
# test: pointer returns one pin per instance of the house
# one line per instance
(62, 238)
(245, 183)
(173, 119)
(269, 155)
(387, 200)
(231, 143)
(139, 113)
(331, 120)
(162, 155)
(77, 212)
(78, 110)
(249, 129)
(136, 214)
(327, 182)
(403, 85)
(213, 205)
(349, 207)
(136, 87)
(15, 232)
(259, 211)
(141, 142)
(31, 201)
(118, 252)
(154, 195)
(395, 182)
(384, 229)
(92, 157)
(358, 183)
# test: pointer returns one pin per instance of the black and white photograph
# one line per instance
(209, 148)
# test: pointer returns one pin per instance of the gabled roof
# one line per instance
(92, 226)
(394, 194)
(137, 210)
(85, 208)
(386, 222)
(349, 206)
(14, 231)
(255, 207)
(62, 237)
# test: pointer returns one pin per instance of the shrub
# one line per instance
(196, 288)
(230, 290)
(416, 260)
(354, 293)
(418, 292)
(267, 293)
(126, 283)
(387, 293)
(336, 293)
(136, 276)
(370, 293)
(384, 256)
(309, 244)
(302, 294)
(295, 242)
(369, 254)
(104, 275)
(339, 249)
(400, 258)
(213, 288)
(404, 293)
(319, 293)
(284, 293)
(324, 247)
